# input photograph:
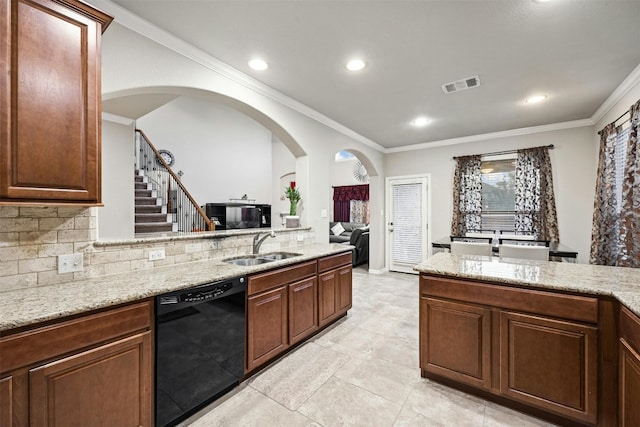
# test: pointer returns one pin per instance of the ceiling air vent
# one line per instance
(462, 84)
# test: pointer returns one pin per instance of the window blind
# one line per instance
(407, 233)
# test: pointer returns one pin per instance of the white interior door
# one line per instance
(407, 222)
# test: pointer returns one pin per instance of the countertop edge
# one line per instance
(620, 283)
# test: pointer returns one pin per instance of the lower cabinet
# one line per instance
(303, 309)
(629, 369)
(287, 305)
(457, 340)
(267, 326)
(536, 348)
(281, 311)
(94, 370)
(334, 287)
(550, 364)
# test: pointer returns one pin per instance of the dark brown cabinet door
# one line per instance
(267, 326)
(344, 289)
(455, 341)
(327, 297)
(106, 386)
(6, 404)
(303, 309)
(629, 377)
(50, 101)
(550, 364)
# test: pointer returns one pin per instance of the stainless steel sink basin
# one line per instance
(278, 255)
(248, 260)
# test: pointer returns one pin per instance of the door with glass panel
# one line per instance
(407, 222)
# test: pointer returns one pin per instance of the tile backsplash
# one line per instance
(31, 238)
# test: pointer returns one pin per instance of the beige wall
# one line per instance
(573, 162)
(116, 218)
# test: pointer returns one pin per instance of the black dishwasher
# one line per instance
(200, 335)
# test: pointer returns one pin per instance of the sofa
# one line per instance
(355, 234)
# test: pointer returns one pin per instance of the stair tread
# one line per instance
(149, 216)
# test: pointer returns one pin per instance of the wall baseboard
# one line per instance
(381, 271)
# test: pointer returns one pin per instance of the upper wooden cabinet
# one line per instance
(50, 102)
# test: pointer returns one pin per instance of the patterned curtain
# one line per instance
(359, 211)
(604, 231)
(535, 200)
(629, 253)
(467, 196)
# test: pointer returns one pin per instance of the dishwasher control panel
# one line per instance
(202, 293)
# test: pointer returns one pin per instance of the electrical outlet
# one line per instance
(70, 263)
(156, 254)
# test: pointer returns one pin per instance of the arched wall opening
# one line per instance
(137, 105)
(349, 172)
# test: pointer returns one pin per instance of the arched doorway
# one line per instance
(351, 174)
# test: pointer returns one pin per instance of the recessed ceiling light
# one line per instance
(535, 99)
(258, 64)
(420, 121)
(356, 65)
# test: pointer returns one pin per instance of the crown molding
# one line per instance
(143, 27)
(121, 120)
(627, 84)
(494, 135)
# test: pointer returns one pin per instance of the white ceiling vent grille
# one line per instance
(462, 84)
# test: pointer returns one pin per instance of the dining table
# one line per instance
(557, 250)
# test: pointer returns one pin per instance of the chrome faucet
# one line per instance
(257, 243)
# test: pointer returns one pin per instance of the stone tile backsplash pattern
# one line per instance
(31, 238)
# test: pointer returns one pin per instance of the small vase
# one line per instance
(292, 221)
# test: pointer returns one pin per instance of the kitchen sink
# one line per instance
(257, 259)
(247, 261)
(278, 255)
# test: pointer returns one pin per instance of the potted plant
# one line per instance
(293, 194)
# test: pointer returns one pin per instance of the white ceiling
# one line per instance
(575, 51)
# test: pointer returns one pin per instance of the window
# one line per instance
(498, 193)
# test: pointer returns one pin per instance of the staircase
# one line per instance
(150, 215)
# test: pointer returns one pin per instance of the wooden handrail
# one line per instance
(210, 224)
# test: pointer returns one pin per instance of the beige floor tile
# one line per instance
(399, 350)
(338, 403)
(293, 379)
(388, 380)
(434, 405)
(500, 416)
(250, 408)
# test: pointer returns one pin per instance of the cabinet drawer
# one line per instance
(630, 328)
(281, 276)
(327, 263)
(572, 307)
(29, 347)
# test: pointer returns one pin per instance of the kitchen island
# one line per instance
(542, 337)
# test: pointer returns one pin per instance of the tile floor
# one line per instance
(362, 371)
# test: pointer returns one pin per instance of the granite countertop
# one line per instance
(619, 282)
(38, 304)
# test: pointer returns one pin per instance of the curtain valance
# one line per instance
(351, 192)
